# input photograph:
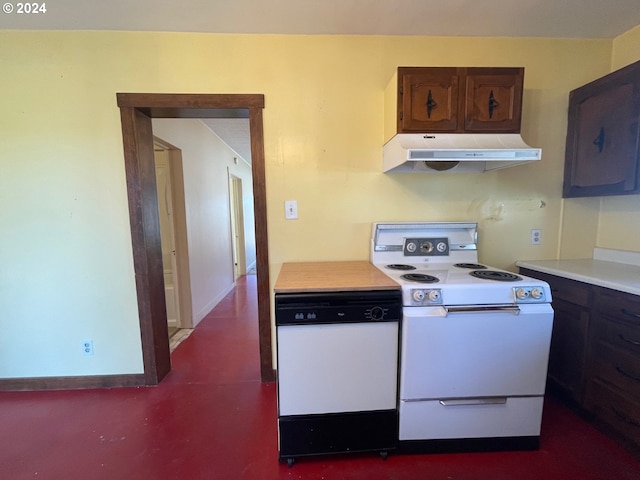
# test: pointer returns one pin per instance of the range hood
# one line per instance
(456, 152)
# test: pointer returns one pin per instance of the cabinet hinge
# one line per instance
(400, 115)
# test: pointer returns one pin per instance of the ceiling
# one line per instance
(493, 18)
(519, 18)
(234, 132)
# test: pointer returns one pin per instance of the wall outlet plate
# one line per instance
(87, 347)
(536, 237)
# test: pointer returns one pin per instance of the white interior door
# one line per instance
(237, 226)
(167, 233)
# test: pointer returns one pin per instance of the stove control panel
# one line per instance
(426, 296)
(529, 294)
(423, 247)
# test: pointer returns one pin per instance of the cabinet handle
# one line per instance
(630, 314)
(624, 418)
(599, 141)
(625, 339)
(493, 104)
(628, 375)
(431, 104)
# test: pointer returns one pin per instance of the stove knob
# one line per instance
(418, 296)
(426, 247)
(522, 294)
(434, 295)
(537, 293)
(411, 247)
(441, 247)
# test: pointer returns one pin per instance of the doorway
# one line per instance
(237, 227)
(136, 111)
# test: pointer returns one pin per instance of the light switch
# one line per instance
(291, 209)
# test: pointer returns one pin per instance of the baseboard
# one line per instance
(251, 269)
(212, 304)
(71, 383)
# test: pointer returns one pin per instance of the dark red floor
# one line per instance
(211, 418)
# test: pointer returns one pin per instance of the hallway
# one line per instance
(211, 418)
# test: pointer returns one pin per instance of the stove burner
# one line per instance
(420, 278)
(400, 266)
(494, 275)
(476, 266)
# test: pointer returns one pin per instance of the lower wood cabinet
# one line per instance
(569, 349)
(594, 361)
(568, 354)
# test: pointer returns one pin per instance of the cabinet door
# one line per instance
(568, 348)
(493, 101)
(602, 137)
(428, 100)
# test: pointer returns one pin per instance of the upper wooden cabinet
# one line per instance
(602, 153)
(455, 100)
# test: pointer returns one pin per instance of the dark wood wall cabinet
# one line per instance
(458, 99)
(594, 361)
(603, 136)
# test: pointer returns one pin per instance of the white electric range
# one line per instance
(474, 340)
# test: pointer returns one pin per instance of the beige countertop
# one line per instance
(332, 277)
(614, 269)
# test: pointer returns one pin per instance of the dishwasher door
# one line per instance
(337, 367)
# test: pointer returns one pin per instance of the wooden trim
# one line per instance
(147, 251)
(71, 383)
(182, 102)
(262, 253)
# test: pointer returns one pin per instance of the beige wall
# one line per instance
(65, 251)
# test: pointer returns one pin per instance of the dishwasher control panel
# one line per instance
(338, 307)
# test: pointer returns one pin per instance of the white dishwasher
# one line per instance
(337, 372)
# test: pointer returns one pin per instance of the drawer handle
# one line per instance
(625, 339)
(628, 375)
(625, 418)
(630, 314)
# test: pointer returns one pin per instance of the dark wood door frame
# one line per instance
(136, 111)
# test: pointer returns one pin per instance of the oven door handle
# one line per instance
(514, 309)
(458, 402)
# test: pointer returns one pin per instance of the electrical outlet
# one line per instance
(87, 347)
(536, 237)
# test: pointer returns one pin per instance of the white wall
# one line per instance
(207, 161)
